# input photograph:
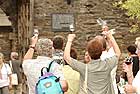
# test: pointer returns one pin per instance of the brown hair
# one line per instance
(103, 40)
(131, 49)
(95, 48)
(58, 42)
(73, 53)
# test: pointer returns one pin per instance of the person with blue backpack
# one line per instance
(44, 75)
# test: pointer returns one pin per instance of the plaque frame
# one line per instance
(62, 21)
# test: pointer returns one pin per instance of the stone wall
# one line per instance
(6, 42)
(10, 9)
(86, 12)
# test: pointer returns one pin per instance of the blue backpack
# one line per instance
(48, 83)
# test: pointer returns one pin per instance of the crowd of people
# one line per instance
(10, 75)
(95, 74)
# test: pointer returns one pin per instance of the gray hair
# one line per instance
(14, 55)
(137, 42)
(44, 47)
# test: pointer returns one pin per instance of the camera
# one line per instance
(101, 22)
(128, 61)
(35, 33)
(71, 28)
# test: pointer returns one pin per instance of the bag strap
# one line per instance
(10, 64)
(48, 69)
(86, 76)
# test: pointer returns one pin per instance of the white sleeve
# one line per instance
(107, 54)
(136, 82)
(26, 65)
(8, 69)
(111, 52)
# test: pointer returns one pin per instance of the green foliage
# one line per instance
(134, 28)
(133, 10)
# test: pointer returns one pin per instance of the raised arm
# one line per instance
(31, 49)
(111, 40)
(129, 88)
(128, 70)
(68, 47)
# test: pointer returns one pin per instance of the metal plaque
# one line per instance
(62, 22)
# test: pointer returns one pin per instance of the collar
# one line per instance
(95, 61)
(58, 53)
(43, 57)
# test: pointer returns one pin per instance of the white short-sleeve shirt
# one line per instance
(5, 71)
(32, 70)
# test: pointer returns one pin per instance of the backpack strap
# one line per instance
(48, 69)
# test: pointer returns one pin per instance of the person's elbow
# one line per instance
(64, 85)
(67, 58)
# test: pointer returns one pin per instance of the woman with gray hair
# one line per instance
(32, 67)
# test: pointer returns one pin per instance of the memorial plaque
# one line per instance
(62, 22)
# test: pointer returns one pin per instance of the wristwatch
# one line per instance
(31, 46)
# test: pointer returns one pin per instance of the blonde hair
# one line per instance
(2, 56)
